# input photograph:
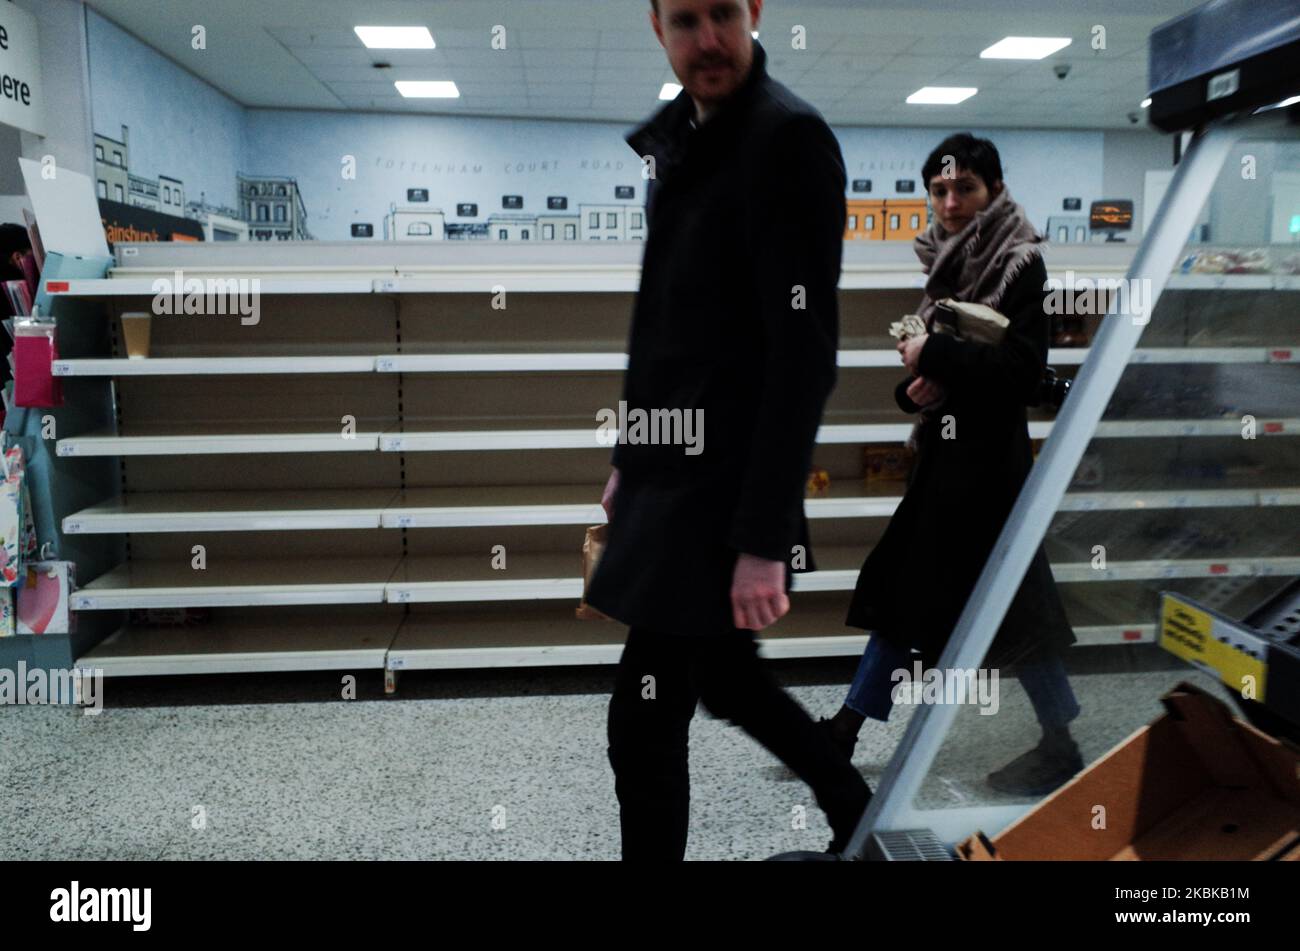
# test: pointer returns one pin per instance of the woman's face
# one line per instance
(958, 199)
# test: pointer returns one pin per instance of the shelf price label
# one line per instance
(396, 663)
(385, 364)
(72, 528)
(405, 521)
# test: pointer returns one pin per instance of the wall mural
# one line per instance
(167, 142)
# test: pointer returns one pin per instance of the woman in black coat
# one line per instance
(972, 456)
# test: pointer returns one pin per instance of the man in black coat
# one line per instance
(735, 328)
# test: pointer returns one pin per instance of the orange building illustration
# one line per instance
(884, 219)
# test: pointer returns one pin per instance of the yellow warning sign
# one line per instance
(1192, 634)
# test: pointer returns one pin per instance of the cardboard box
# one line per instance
(1198, 783)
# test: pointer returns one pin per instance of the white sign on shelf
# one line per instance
(66, 209)
(22, 101)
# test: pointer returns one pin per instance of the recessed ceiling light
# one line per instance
(670, 91)
(941, 95)
(395, 37)
(1025, 47)
(1146, 102)
(427, 89)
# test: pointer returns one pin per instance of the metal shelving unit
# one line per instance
(452, 455)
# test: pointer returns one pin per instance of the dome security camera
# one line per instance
(1062, 70)
(1133, 118)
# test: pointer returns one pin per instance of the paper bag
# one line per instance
(593, 545)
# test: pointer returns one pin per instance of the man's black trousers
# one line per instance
(649, 721)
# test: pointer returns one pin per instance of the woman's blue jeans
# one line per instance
(871, 693)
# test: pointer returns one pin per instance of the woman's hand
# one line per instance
(910, 351)
(925, 392)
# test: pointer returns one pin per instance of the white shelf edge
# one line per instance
(482, 278)
(1089, 635)
(90, 598)
(200, 366)
(821, 645)
(1229, 426)
(145, 286)
(533, 589)
(480, 440)
(771, 648)
(524, 655)
(214, 444)
(499, 362)
(470, 516)
(90, 522)
(579, 362)
(541, 655)
(1231, 282)
(87, 522)
(1083, 572)
(520, 589)
(577, 281)
(236, 662)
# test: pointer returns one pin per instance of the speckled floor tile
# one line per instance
(478, 775)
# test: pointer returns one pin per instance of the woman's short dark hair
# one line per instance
(975, 155)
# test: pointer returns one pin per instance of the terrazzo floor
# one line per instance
(460, 765)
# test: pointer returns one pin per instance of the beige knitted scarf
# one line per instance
(978, 263)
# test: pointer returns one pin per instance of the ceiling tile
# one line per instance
(862, 58)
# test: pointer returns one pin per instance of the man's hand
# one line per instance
(924, 392)
(910, 350)
(758, 592)
(607, 498)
